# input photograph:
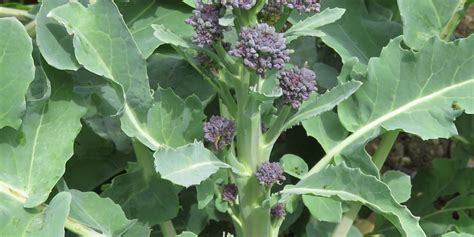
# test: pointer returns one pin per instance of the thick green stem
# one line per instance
(379, 158)
(167, 229)
(20, 14)
(144, 158)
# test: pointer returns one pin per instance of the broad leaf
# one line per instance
(317, 104)
(293, 165)
(399, 184)
(425, 19)
(17, 71)
(151, 200)
(323, 208)
(187, 165)
(454, 234)
(310, 25)
(34, 158)
(141, 14)
(327, 129)
(54, 42)
(357, 34)
(103, 215)
(117, 58)
(167, 36)
(350, 184)
(15, 220)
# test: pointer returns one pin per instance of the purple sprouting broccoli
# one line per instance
(270, 173)
(229, 192)
(304, 5)
(297, 85)
(205, 21)
(242, 4)
(278, 211)
(271, 12)
(219, 131)
(261, 48)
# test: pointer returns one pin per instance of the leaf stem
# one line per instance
(383, 150)
(274, 132)
(453, 22)
(167, 229)
(144, 158)
(20, 14)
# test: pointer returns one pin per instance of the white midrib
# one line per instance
(33, 149)
(128, 111)
(370, 126)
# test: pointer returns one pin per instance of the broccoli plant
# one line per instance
(186, 118)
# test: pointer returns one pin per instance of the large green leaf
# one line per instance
(151, 200)
(425, 19)
(16, 71)
(350, 184)
(141, 14)
(34, 158)
(102, 214)
(310, 25)
(104, 46)
(15, 220)
(187, 165)
(323, 208)
(419, 92)
(357, 34)
(54, 42)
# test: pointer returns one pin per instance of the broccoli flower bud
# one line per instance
(229, 192)
(270, 173)
(278, 211)
(205, 21)
(242, 4)
(297, 85)
(219, 131)
(261, 48)
(305, 5)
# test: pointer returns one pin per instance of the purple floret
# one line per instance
(261, 48)
(219, 131)
(229, 192)
(270, 173)
(278, 211)
(205, 21)
(304, 5)
(297, 85)
(242, 4)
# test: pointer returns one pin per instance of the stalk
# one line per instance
(379, 158)
(20, 14)
(453, 22)
(167, 229)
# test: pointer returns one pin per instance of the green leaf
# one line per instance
(317, 104)
(399, 184)
(294, 165)
(171, 72)
(357, 34)
(101, 214)
(327, 129)
(54, 42)
(117, 58)
(141, 14)
(167, 36)
(205, 193)
(187, 165)
(310, 25)
(34, 158)
(350, 184)
(326, 229)
(16, 71)
(15, 220)
(424, 19)
(151, 200)
(323, 209)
